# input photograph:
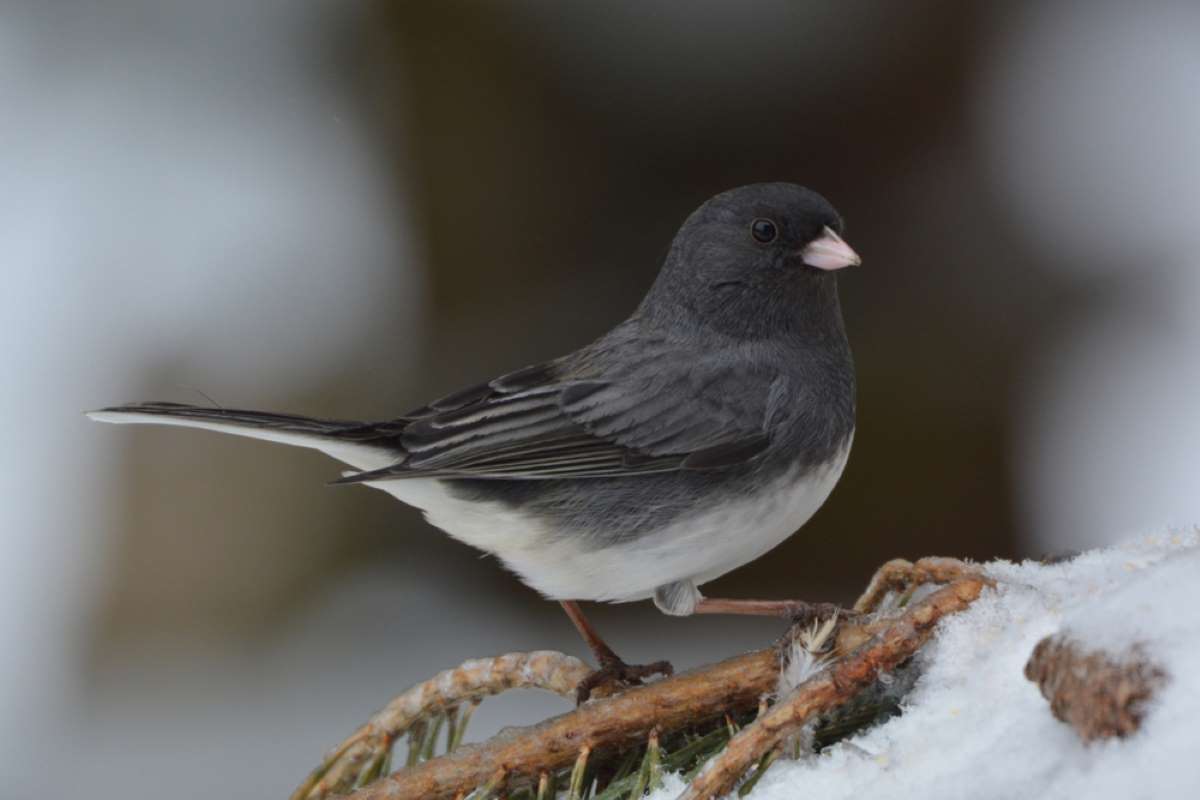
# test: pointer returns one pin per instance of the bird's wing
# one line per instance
(542, 423)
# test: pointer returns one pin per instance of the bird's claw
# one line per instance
(615, 675)
(808, 613)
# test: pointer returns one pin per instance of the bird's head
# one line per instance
(753, 260)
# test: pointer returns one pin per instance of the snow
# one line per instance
(974, 726)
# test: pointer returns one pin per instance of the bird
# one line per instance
(690, 439)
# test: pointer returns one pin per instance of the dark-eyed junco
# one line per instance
(690, 439)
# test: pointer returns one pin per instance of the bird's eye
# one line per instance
(763, 230)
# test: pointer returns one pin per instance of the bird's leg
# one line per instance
(797, 610)
(612, 669)
(604, 654)
(896, 576)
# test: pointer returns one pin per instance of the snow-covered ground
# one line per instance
(975, 727)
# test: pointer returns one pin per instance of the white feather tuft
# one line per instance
(810, 653)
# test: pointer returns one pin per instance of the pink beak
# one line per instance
(829, 252)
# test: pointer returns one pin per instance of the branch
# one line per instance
(363, 755)
(897, 642)
(624, 720)
(862, 647)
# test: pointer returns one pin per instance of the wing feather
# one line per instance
(543, 423)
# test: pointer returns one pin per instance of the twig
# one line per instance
(829, 689)
(604, 725)
(365, 750)
(899, 575)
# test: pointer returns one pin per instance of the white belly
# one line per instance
(699, 547)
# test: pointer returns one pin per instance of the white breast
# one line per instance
(699, 547)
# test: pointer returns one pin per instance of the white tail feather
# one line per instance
(359, 456)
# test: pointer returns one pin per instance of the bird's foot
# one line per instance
(615, 675)
(802, 613)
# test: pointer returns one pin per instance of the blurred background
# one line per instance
(345, 208)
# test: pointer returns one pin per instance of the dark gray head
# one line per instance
(753, 262)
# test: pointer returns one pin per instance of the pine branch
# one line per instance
(361, 757)
(603, 726)
(831, 688)
(602, 743)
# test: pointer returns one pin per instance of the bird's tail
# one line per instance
(361, 445)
